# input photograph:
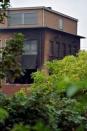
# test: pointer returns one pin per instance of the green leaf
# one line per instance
(21, 127)
(80, 128)
(3, 114)
(40, 127)
(71, 91)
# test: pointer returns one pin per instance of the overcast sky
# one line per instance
(74, 8)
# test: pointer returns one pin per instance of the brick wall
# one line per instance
(10, 89)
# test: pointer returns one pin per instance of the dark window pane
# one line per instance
(30, 18)
(14, 19)
(64, 49)
(22, 18)
(30, 47)
(70, 49)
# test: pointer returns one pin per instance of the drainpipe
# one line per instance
(43, 18)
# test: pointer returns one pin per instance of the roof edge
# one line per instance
(61, 14)
(45, 8)
(39, 27)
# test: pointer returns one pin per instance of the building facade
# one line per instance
(48, 35)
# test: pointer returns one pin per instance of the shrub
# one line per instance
(57, 102)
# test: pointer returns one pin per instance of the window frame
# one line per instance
(61, 23)
(2, 45)
(31, 51)
(33, 15)
(22, 20)
(10, 15)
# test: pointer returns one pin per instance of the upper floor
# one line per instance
(39, 17)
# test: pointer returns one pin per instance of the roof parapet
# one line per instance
(45, 8)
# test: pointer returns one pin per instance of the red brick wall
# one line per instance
(10, 89)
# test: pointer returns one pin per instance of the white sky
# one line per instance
(74, 8)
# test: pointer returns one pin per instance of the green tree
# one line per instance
(57, 102)
(11, 55)
(65, 88)
(4, 4)
(73, 67)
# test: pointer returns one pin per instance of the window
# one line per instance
(30, 47)
(64, 49)
(15, 19)
(74, 49)
(58, 49)
(2, 45)
(51, 49)
(30, 18)
(70, 49)
(61, 23)
(22, 18)
(54, 49)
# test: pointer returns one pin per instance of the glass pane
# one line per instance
(14, 19)
(61, 23)
(30, 18)
(34, 47)
(26, 48)
(30, 47)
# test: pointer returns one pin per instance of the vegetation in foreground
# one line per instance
(57, 102)
(10, 66)
(4, 4)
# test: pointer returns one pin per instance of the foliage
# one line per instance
(67, 107)
(22, 109)
(4, 4)
(4, 100)
(52, 108)
(66, 87)
(54, 104)
(38, 127)
(20, 127)
(3, 115)
(73, 67)
(11, 56)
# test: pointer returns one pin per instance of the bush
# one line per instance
(57, 102)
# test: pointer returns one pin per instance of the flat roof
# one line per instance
(45, 8)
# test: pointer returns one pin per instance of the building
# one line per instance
(48, 35)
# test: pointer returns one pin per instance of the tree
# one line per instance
(11, 55)
(4, 4)
(73, 67)
(58, 104)
(66, 88)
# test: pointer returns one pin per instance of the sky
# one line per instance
(74, 8)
